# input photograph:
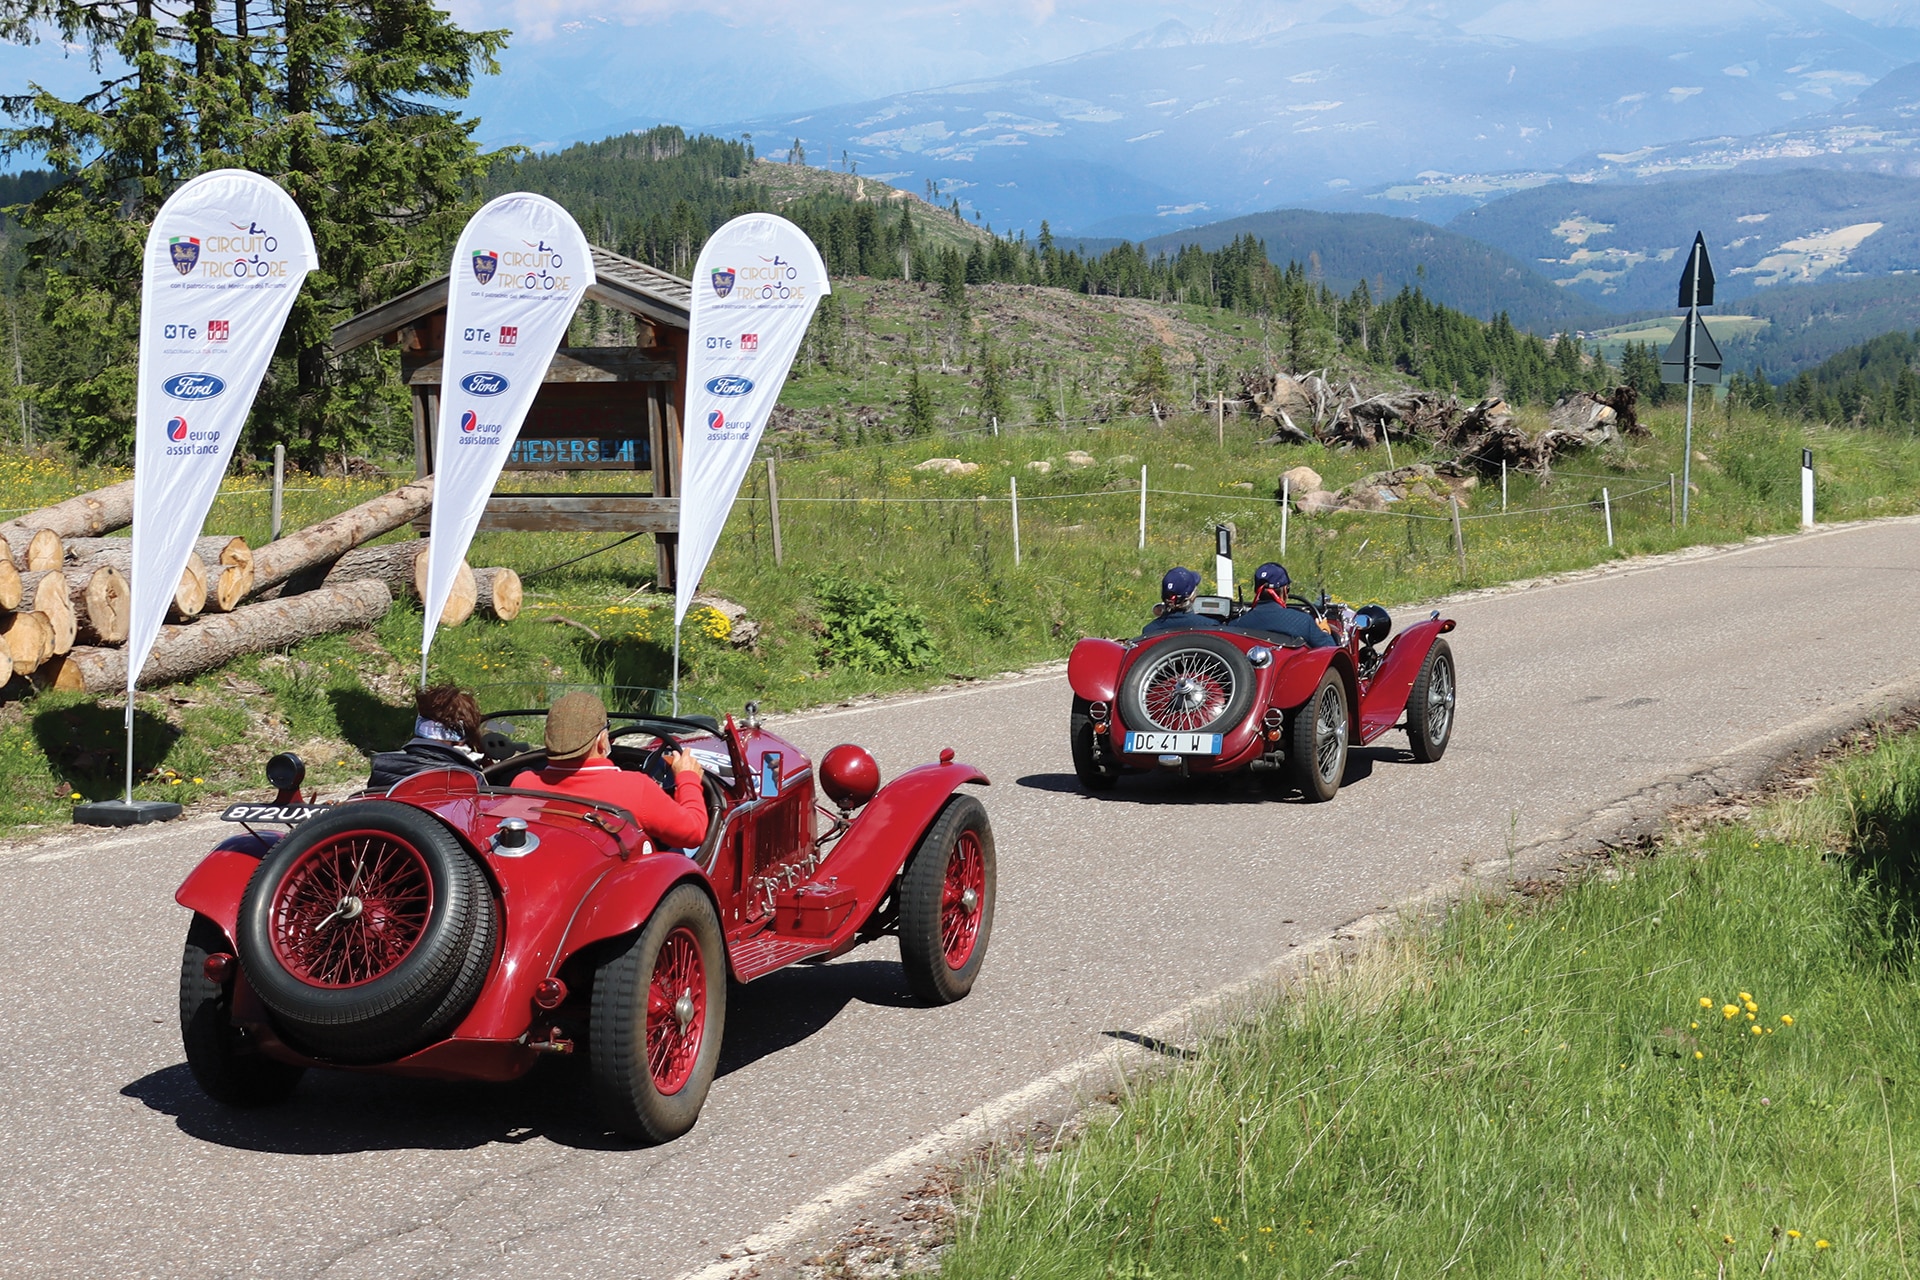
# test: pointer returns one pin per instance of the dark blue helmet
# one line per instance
(1179, 584)
(1271, 576)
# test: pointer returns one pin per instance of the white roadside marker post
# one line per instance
(1013, 485)
(1806, 488)
(1143, 508)
(1606, 504)
(1286, 501)
(279, 486)
(1503, 486)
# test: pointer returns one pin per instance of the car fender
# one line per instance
(1391, 685)
(1295, 682)
(214, 888)
(1093, 669)
(622, 899)
(868, 857)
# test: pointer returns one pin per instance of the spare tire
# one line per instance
(1195, 683)
(368, 932)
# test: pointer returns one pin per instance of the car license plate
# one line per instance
(1174, 744)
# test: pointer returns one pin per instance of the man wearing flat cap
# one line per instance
(580, 763)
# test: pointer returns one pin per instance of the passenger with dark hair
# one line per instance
(446, 735)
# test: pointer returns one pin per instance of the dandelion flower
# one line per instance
(1727, 1011)
(1694, 1026)
(1698, 1055)
(1706, 1002)
(1755, 1030)
(198, 780)
(1792, 1234)
(1786, 1019)
(1726, 1239)
(1749, 1017)
(1823, 1244)
(1746, 997)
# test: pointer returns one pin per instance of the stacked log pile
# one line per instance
(1313, 408)
(65, 599)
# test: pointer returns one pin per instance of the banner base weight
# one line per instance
(125, 813)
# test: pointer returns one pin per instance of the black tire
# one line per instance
(1430, 704)
(1233, 710)
(960, 835)
(1317, 739)
(631, 1099)
(1094, 775)
(422, 995)
(225, 1066)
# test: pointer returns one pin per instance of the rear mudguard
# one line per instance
(214, 888)
(869, 857)
(1093, 669)
(1300, 677)
(1387, 692)
(623, 898)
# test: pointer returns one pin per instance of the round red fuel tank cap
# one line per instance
(849, 776)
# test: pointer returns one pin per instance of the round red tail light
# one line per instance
(849, 775)
(218, 968)
(550, 993)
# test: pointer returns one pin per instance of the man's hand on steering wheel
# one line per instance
(679, 759)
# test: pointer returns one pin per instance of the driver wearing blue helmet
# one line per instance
(1271, 616)
(1175, 610)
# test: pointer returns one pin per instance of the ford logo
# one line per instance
(483, 384)
(193, 386)
(731, 384)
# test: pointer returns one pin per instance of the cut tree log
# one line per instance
(9, 584)
(84, 515)
(460, 599)
(336, 535)
(228, 561)
(184, 652)
(6, 666)
(189, 598)
(29, 640)
(390, 562)
(103, 605)
(497, 593)
(47, 594)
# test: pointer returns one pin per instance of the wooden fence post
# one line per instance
(773, 511)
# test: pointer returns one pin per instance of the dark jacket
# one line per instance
(1180, 620)
(419, 755)
(1278, 620)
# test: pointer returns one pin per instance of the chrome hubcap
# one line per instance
(970, 899)
(683, 1009)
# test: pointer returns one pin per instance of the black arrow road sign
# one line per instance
(1696, 282)
(1706, 356)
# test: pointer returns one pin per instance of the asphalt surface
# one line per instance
(1112, 911)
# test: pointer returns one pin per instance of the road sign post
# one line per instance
(1692, 357)
(1806, 488)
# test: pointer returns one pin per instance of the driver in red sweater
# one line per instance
(579, 763)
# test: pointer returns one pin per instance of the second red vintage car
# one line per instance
(1218, 699)
(456, 927)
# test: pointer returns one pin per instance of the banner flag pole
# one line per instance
(224, 259)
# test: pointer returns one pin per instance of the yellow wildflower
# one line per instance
(1727, 1011)
(1746, 997)
(1697, 1054)
(1822, 1244)
(1706, 1002)
(1792, 1234)
(1787, 1019)
(1755, 1030)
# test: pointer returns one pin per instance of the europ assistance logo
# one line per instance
(183, 441)
(721, 428)
(474, 431)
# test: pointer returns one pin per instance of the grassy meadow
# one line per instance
(895, 578)
(1699, 1065)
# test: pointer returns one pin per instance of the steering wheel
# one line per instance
(654, 762)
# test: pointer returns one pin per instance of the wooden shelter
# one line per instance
(600, 409)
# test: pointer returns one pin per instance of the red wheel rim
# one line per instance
(1187, 690)
(962, 899)
(351, 908)
(676, 1011)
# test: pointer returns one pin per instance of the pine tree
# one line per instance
(920, 411)
(333, 99)
(992, 398)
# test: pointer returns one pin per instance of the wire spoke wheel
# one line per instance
(1330, 747)
(961, 899)
(676, 1011)
(1440, 700)
(351, 909)
(1187, 690)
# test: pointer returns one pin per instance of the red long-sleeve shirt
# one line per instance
(678, 821)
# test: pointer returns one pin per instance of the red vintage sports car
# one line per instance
(1212, 700)
(458, 928)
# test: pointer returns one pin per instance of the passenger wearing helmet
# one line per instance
(1175, 610)
(1271, 615)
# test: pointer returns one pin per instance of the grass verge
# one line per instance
(1702, 1067)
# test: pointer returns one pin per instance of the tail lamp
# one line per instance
(218, 967)
(1272, 722)
(1097, 712)
(550, 993)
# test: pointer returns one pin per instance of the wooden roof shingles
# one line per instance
(633, 287)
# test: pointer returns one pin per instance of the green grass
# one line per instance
(1547, 1088)
(941, 546)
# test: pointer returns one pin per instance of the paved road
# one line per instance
(1112, 911)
